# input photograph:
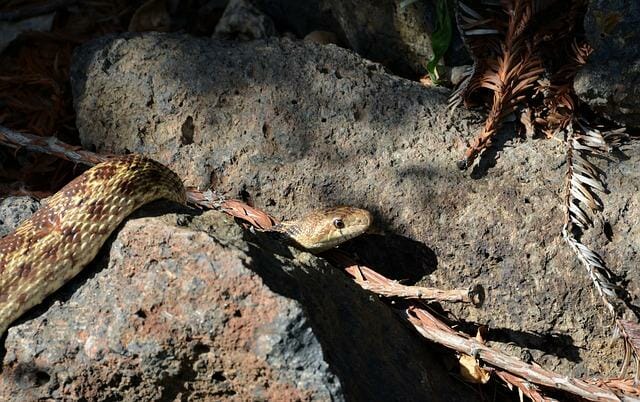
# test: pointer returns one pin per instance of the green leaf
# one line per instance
(441, 36)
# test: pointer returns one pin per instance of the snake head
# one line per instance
(323, 229)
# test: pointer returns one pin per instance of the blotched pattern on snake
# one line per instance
(63, 236)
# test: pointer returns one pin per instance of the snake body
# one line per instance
(63, 236)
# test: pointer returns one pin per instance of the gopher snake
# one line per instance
(62, 237)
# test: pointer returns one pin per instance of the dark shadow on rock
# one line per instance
(625, 295)
(559, 345)
(619, 153)
(394, 256)
(28, 375)
(489, 157)
(634, 132)
(373, 354)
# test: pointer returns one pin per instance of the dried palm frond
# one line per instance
(508, 78)
(506, 62)
(582, 204)
(558, 106)
(471, 26)
(511, 43)
(526, 55)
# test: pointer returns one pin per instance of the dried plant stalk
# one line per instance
(436, 331)
(525, 388)
(371, 280)
(50, 146)
(395, 289)
(55, 147)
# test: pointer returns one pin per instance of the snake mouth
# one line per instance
(340, 236)
(374, 229)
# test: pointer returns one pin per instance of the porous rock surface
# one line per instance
(610, 81)
(298, 126)
(178, 306)
(14, 210)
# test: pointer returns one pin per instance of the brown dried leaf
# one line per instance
(471, 371)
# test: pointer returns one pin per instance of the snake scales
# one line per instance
(63, 236)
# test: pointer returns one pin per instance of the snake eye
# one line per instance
(338, 223)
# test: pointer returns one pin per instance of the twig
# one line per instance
(49, 146)
(524, 387)
(395, 289)
(425, 323)
(53, 146)
(436, 331)
(371, 280)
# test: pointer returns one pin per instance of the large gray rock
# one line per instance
(179, 307)
(298, 126)
(610, 81)
(14, 210)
